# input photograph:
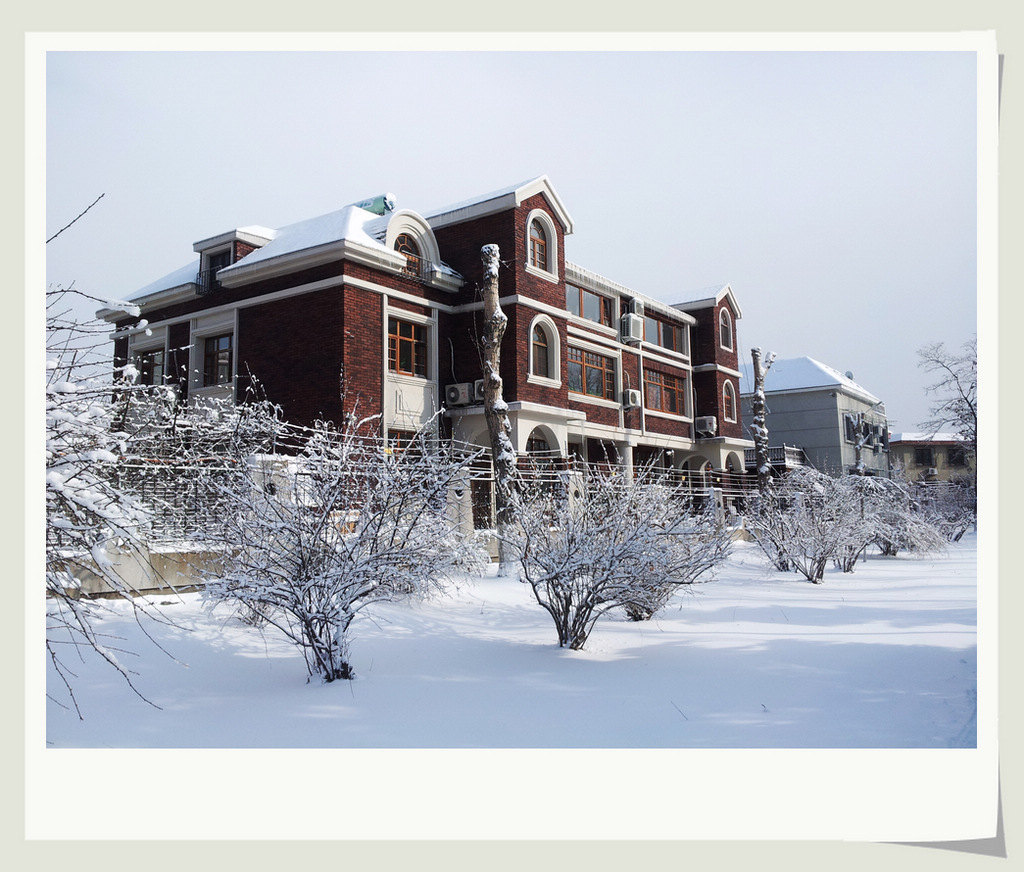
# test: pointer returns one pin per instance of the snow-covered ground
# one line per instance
(885, 657)
(764, 707)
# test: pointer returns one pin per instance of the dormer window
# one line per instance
(406, 244)
(212, 263)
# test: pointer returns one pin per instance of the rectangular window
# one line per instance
(956, 457)
(150, 365)
(664, 392)
(591, 374)
(586, 304)
(407, 348)
(670, 336)
(217, 360)
(924, 457)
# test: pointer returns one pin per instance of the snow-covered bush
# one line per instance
(604, 541)
(92, 524)
(311, 539)
(950, 508)
(802, 522)
(901, 524)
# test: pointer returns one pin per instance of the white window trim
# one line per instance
(724, 316)
(588, 398)
(727, 385)
(202, 329)
(550, 274)
(428, 321)
(554, 354)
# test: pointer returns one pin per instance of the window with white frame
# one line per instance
(541, 245)
(725, 337)
(729, 401)
(670, 336)
(149, 364)
(218, 357)
(591, 374)
(406, 244)
(589, 304)
(545, 357)
(212, 361)
(407, 348)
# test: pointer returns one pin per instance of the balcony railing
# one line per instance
(206, 281)
(779, 456)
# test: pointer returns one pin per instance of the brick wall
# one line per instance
(294, 349)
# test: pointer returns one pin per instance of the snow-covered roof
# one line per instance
(702, 298)
(802, 374)
(254, 234)
(499, 200)
(181, 277)
(925, 437)
(349, 223)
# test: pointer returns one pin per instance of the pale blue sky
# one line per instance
(835, 190)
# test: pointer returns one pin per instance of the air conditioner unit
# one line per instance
(637, 308)
(631, 398)
(631, 328)
(458, 395)
(933, 471)
(706, 425)
(478, 390)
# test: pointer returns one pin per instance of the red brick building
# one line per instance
(375, 310)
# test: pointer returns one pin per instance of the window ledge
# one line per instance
(668, 416)
(543, 381)
(541, 273)
(594, 401)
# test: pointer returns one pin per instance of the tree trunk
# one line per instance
(503, 453)
(759, 427)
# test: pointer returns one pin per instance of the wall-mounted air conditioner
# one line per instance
(478, 390)
(631, 398)
(631, 328)
(458, 395)
(933, 471)
(706, 425)
(637, 308)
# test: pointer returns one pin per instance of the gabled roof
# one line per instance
(705, 298)
(802, 374)
(500, 200)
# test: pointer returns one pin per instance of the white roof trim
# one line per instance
(499, 201)
(708, 297)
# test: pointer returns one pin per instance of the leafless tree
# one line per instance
(801, 522)
(955, 388)
(94, 528)
(604, 541)
(312, 539)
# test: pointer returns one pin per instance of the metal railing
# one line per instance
(779, 456)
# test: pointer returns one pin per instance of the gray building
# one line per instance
(824, 412)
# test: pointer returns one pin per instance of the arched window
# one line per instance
(541, 245)
(725, 329)
(729, 401)
(405, 244)
(545, 362)
(539, 345)
(537, 443)
(538, 245)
